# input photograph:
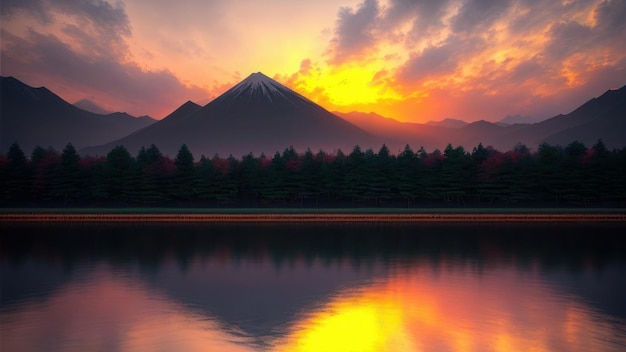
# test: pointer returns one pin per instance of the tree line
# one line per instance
(550, 176)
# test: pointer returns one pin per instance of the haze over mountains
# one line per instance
(88, 105)
(260, 115)
(36, 116)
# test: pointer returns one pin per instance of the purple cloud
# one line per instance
(354, 31)
(133, 89)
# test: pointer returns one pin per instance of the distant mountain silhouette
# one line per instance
(36, 116)
(518, 119)
(258, 115)
(88, 105)
(449, 123)
(397, 134)
(603, 117)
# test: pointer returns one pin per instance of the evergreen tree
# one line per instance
(16, 178)
(43, 164)
(68, 184)
(119, 179)
(184, 185)
(150, 176)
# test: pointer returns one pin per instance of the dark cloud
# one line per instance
(96, 25)
(423, 14)
(608, 33)
(437, 60)
(567, 38)
(611, 19)
(100, 13)
(430, 62)
(35, 8)
(424, 17)
(92, 55)
(478, 15)
(533, 14)
(527, 70)
(355, 31)
(136, 90)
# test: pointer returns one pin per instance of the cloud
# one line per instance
(423, 14)
(489, 57)
(100, 13)
(36, 8)
(430, 62)
(97, 13)
(123, 84)
(82, 44)
(479, 15)
(567, 38)
(438, 60)
(354, 31)
(610, 16)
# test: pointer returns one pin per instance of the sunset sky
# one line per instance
(413, 60)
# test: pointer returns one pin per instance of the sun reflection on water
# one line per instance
(415, 310)
(419, 306)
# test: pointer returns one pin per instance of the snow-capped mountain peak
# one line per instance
(259, 84)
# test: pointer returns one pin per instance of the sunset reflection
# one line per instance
(112, 314)
(443, 309)
(405, 305)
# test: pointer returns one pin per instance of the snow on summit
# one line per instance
(258, 82)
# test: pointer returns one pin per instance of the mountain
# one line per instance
(602, 117)
(36, 116)
(257, 115)
(448, 123)
(518, 119)
(88, 105)
(397, 134)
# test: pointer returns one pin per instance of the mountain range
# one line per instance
(260, 115)
(36, 116)
(603, 118)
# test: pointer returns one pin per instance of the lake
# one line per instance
(313, 287)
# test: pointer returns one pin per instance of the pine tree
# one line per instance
(184, 185)
(17, 175)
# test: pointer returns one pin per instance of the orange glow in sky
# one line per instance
(413, 61)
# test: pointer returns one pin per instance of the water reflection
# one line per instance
(454, 310)
(313, 288)
(109, 313)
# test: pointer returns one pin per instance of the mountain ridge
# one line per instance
(260, 115)
(599, 117)
(37, 116)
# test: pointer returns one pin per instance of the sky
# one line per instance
(412, 60)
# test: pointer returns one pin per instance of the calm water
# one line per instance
(320, 287)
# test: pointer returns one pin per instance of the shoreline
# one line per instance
(312, 217)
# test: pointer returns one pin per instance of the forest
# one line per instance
(551, 176)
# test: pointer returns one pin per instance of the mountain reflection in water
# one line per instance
(312, 287)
